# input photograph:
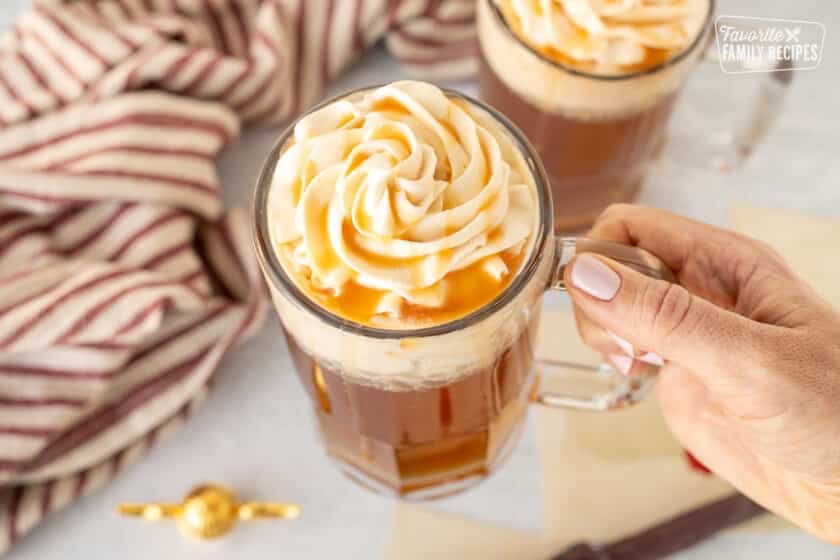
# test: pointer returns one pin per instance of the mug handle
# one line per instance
(731, 147)
(625, 390)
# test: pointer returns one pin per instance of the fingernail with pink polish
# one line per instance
(595, 278)
(622, 363)
(625, 345)
(652, 358)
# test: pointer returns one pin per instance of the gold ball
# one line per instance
(208, 512)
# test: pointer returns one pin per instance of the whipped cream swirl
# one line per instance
(396, 188)
(607, 35)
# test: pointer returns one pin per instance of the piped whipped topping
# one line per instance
(606, 36)
(396, 190)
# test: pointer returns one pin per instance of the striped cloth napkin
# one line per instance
(123, 281)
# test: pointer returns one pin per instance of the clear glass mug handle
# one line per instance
(739, 121)
(624, 390)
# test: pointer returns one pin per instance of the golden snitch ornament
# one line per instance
(209, 511)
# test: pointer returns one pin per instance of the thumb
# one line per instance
(658, 316)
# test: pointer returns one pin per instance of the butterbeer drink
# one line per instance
(592, 83)
(406, 234)
(396, 212)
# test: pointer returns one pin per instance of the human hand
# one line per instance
(751, 376)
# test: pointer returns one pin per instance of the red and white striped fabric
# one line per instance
(123, 281)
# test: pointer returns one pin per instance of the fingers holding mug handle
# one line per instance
(623, 389)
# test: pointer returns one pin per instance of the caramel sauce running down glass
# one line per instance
(428, 439)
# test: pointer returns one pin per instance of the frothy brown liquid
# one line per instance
(590, 163)
(412, 442)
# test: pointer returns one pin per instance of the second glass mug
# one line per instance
(599, 134)
(428, 440)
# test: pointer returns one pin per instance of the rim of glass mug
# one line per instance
(704, 30)
(281, 281)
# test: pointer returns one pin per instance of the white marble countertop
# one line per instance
(255, 435)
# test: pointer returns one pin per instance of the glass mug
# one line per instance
(432, 438)
(598, 134)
